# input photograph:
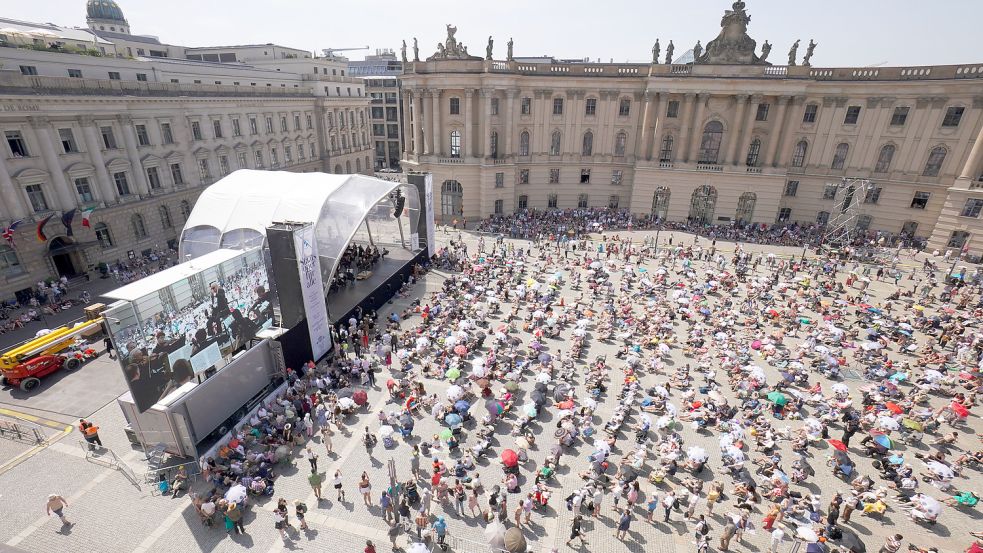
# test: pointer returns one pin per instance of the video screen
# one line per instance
(195, 325)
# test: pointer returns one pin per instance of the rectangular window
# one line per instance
(153, 178)
(217, 128)
(784, 214)
(852, 115)
(269, 125)
(103, 236)
(75, 73)
(142, 77)
(582, 200)
(300, 153)
(84, 190)
(899, 116)
(378, 129)
(499, 206)
(585, 176)
(196, 130)
(624, 107)
(525, 106)
(143, 137)
(822, 218)
(614, 201)
(762, 114)
(15, 140)
(494, 106)
(616, 176)
(590, 106)
(499, 180)
(296, 122)
(920, 200)
(113, 76)
(165, 133)
(557, 106)
(176, 174)
(241, 157)
(873, 195)
(523, 202)
(551, 201)
(958, 239)
(377, 113)
(791, 188)
(203, 170)
(829, 192)
(36, 196)
(455, 106)
(310, 122)
(809, 115)
(283, 124)
(28, 70)
(523, 176)
(672, 110)
(236, 129)
(953, 116)
(554, 176)
(972, 208)
(313, 146)
(288, 154)
(67, 141)
(108, 138)
(122, 184)
(274, 157)
(253, 128)
(223, 164)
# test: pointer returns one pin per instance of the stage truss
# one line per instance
(841, 228)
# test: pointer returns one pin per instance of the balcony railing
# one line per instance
(449, 160)
(754, 169)
(710, 167)
(665, 165)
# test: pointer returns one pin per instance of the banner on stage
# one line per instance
(312, 290)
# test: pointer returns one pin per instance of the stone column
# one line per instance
(130, 139)
(970, 170)
(684, 124)
(420, 123)
(736, 134)
(642, 145)
(545, 134)
(485, 122)
(778, 127)
(658, 118)
(13, 203)
(408, 137)
(466, 146)
(510, 95)
(748, 129)
(93, 145)
(695, 133)
(438, 139)
(64, 194)
(793, 116)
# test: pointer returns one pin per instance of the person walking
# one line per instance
(702, 529)
(527, 505)
(110, 350)
(312, 458)
(386, 502)
(365, 488)
(728, 534)
(326, 437)
(300, 510)
(623, 524)
(440, 530)
(338, 486)
(315, 480)
(577, 531)
(473, 502)
(56, 504)
(460, 495)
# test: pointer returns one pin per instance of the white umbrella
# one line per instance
(871, 346)
(479, 371)
(933, 375)
(930, 505)
(942, 471)
(579, 332)
(697, 453)
(806, 533)
(732, 451)
(840, 388)
(662, 391)
(664, 421)
(671, 409)
(346, 403)
(601, 445)
(236, 494)
(822, 349)
(590, 403)
(887, 423)
(385, 431)
(421, 548)
(543, 378)
(595, 265)
(455, 392)
(582, 323)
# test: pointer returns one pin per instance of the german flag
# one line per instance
(41, 236)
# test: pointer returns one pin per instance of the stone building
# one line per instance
(136, 136)
(381, 72)
(725, 138)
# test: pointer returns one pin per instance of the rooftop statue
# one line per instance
(792, 53)
(732, 45)
(655, 51)
(809, 51)
(451, 49)
(669, 50)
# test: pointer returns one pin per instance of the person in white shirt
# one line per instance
(777, 536)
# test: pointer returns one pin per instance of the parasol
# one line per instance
(417, 548)
(346, 403)
(806, 533)
(565, 405)
(628, 474)
(697, 454)
(510, 458)
(344, 392)
(543, 378)
(887, 423)
(840, 388)
(453, 419)
(561, 391)
(482, 382)
(894, 408)
(446, 434)
(494, 407)
(777, 398)
(515, 542)
(884, 441)
(538, 398)
(460, 349)
(455, 393)
(930, 505)
(462, 406)
(495, 535)
(385, 431)
(236, 494)
(837, 445)
(959, 409)
(850, 540)
(940, 470)
(360, 397)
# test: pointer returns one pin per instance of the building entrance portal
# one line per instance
(63, 256)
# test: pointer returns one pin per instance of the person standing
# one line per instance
(728, 534)
(892, 544)
(667, 503)
(576, 530)
(777, 535)
(386, 502)
(338, 486)
(234, 514)
(312, 459)
(300, 509)
(57, 504)
(326, 437)
(315, 480)
(108, 344)
(365, 488)
(623, 524)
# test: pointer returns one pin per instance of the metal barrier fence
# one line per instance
(108, 458)
(22, 432)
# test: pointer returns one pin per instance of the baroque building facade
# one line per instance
(137, 138)
(726, 139)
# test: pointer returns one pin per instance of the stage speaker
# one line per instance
(400, 204)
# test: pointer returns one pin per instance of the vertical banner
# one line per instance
(312, 290)
(431, 230)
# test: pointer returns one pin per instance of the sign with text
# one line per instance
(312, 290)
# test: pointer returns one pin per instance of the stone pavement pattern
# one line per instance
(111, 514)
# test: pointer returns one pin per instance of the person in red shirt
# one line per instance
(369, 547)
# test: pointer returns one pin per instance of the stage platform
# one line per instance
(342, 302)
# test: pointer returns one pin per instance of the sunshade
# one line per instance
(360, 397)
(515, 542)
(510, 458)
(837, 445)
(777, 398)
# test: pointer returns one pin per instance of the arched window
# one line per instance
(455, 143)
(745, 208)
(165, 217)
(935, 159)
(713, 134)
(799, 155)
(665, 153)
(555, 143)
(337, 169)
(494, 145)
(139, 228)
(185, 209)
(753, 153)
(358, 165)
(524, 143)
(588, 148)
(103, 235)
(660, 203)
(451, 198)
(702, 204)
(620, 140)
(839, 156)
(348, 167)
(884, 159)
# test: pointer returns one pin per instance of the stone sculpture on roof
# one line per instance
(732, 45)
(451, 49)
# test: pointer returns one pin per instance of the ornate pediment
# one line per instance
(451, 49)
(733, 45)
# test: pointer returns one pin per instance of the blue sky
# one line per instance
(849, 32)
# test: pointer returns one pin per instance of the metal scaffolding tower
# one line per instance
(841, 228)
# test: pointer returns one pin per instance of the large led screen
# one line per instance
(165, 338)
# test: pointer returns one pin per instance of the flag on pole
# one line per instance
(85, 218)
(66, 219)
(8, 232)
(40, 230)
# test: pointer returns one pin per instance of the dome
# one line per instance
(104, 9)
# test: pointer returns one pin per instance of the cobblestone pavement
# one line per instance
(112, 514)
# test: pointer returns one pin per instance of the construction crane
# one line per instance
(330, 52)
